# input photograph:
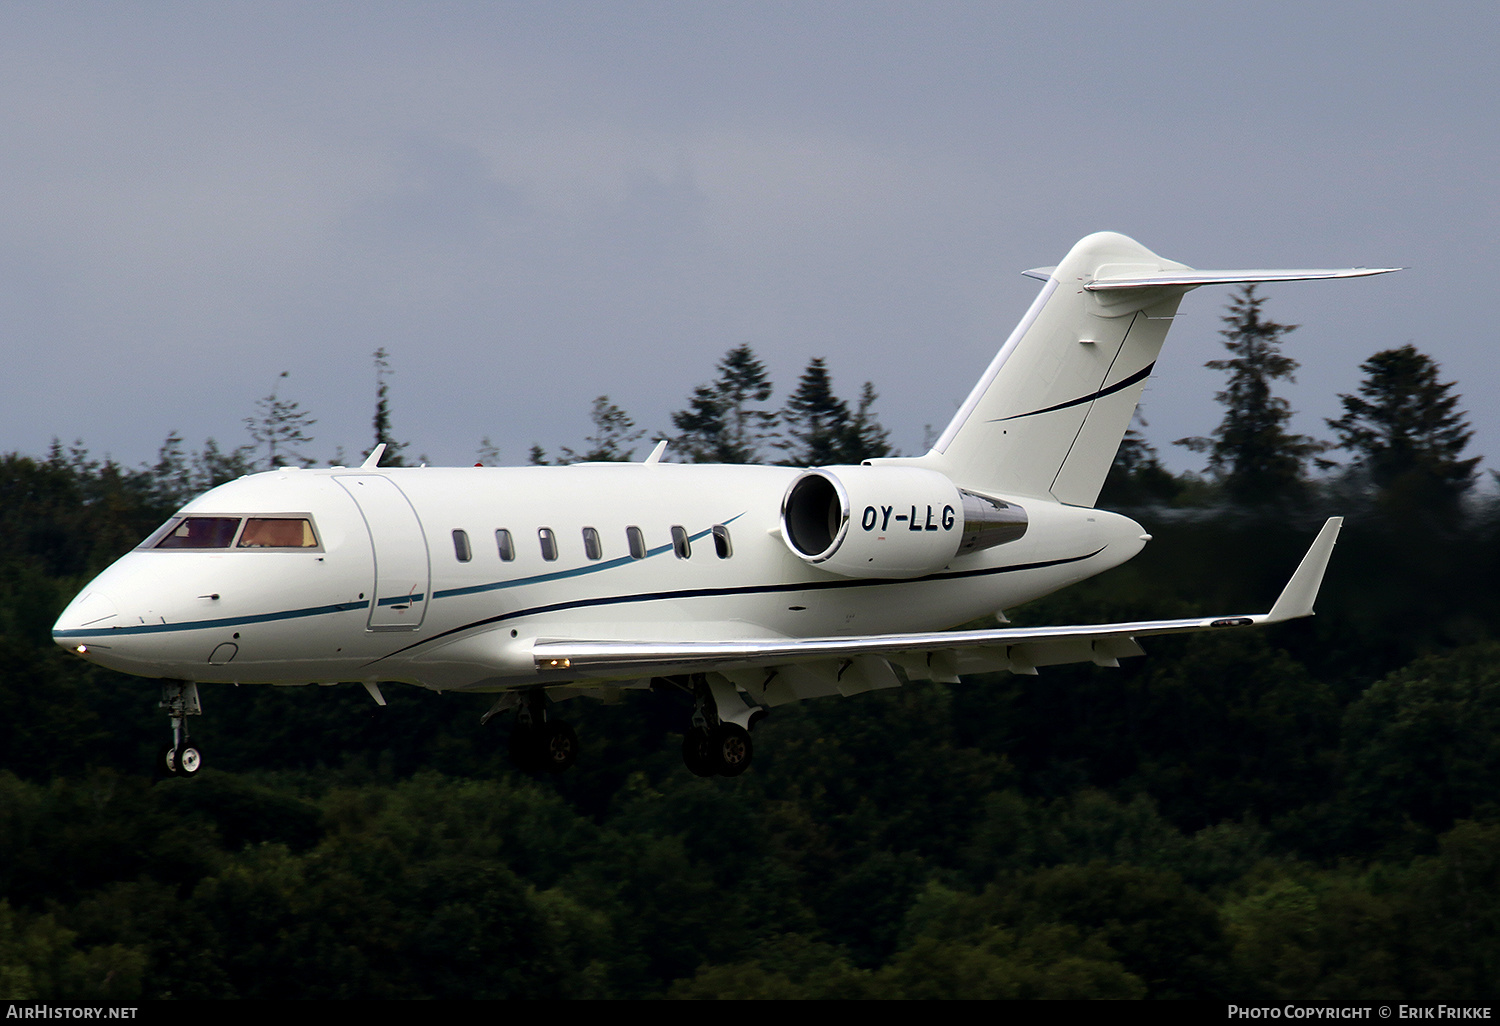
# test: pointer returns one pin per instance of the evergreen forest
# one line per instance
(1307, 812)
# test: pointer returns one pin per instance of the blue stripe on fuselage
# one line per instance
(344, 607)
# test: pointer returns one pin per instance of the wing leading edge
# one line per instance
(818, 666)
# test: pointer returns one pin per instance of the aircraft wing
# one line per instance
(777, 670)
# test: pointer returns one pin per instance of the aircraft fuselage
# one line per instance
(441, 577)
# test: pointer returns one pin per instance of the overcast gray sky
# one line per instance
(529, 205)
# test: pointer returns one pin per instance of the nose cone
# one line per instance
(93, 626)
(90, 613)
(87, 617)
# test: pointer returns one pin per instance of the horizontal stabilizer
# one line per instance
(1193, 279)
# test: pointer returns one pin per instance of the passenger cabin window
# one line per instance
(277, 533)
(461, 550)
(722, 547)
(506, 545)
(549, 543)
(680, 544)
(591, 546)
(637, 542)
(201, 533)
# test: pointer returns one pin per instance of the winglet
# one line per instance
(373, 460)
(1297, 597)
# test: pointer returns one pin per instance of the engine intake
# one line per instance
(891, 521)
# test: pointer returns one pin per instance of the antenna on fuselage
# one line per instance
(655, 456)
(373, 460)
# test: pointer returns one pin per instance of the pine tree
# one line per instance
(175, 477)
(820, 430)
(280, 424)
(1253, 453)
(213, 467)
(171, 478)
(721, 424)
(1406, 431)
(866, 439)
(393, 448)
(614, 431)
(816, 420)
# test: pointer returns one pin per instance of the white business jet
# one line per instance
(747, 586)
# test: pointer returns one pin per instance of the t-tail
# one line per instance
(1048, 415)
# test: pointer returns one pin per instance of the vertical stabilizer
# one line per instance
(1049, 413)
(1047, 417)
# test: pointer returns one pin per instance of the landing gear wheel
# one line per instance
(697, 752)
(730, 748)
(187, 759)
(180, 699)
(556, 746)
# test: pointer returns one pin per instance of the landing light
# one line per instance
(553, 664)
(81, 649)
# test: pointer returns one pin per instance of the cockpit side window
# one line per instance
(200, 533)
(278, 533)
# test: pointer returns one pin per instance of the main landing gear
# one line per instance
(181, 758)
(713, 746)
(537, 743)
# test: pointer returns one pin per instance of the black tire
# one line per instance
(729, 744)
(557, 746)
(697, 752)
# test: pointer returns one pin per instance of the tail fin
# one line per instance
(1046, 418)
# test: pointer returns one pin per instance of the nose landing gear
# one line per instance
(180, 698)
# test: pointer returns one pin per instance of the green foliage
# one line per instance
(820, 430)
(280, 424)
(1303, 813)
(41, 961)
(1253, 453)
(1051, 962)
(382, 422)
(1304, 935)
(1422, 746)
(723, 423)
(1406, 433)
(1137, 476)
(611, 442)
(1163, 932)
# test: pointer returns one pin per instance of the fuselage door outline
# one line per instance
(403, 571)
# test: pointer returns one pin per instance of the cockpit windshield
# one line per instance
(277, 533)
(233, 532)
(201, 533)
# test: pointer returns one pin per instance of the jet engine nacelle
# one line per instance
(891, 521)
